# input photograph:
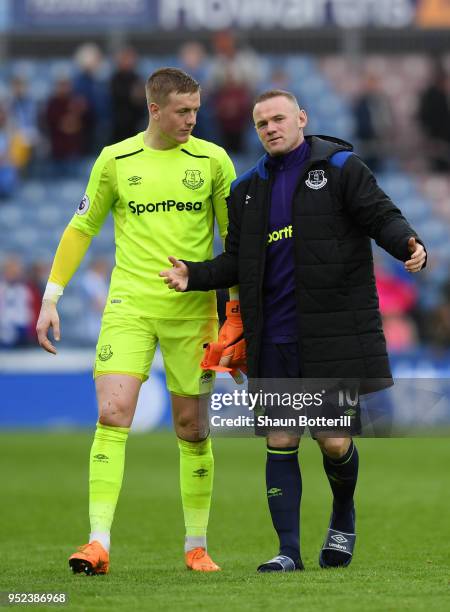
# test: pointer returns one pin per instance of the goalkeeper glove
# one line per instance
(230, 346)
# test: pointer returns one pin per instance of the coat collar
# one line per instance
(321, 149)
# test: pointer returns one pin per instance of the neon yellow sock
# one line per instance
(196, 481)
(107, 461)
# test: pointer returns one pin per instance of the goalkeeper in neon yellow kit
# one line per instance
(164, 189)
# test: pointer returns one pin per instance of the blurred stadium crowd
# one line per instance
(56, 115)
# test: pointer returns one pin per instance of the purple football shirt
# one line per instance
(280, 316)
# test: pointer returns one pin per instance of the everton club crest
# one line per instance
(193, 179)
(105, 352)
(316, 179)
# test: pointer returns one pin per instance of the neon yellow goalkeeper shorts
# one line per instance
(127, 345)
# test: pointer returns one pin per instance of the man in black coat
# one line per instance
(298, 245)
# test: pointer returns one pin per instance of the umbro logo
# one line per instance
(101, 458)
(200, 473)
(134, 180)
(274, 492)
(340, 539)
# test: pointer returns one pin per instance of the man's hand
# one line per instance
(176, 277)
(231, 359)
(418, 256)
(48, 317)
(234, 357)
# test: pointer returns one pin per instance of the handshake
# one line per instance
(228, 354)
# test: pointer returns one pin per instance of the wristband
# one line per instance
(234, 293)
(53, 292)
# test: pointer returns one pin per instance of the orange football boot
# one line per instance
(198, 560)
(91, 559)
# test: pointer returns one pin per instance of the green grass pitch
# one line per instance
(402, 552)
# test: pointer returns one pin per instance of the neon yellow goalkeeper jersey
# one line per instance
(163, 203)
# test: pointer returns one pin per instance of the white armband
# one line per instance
(53, 292)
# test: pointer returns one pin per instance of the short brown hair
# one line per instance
(274, 93)
(166, 80)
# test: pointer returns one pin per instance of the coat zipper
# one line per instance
(297, 190)
(259, 321)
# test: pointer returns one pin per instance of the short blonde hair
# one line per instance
(167, 80)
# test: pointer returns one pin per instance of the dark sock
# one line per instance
(284, 491)
(342, 475)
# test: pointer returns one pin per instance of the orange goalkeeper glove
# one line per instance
(228, 354)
